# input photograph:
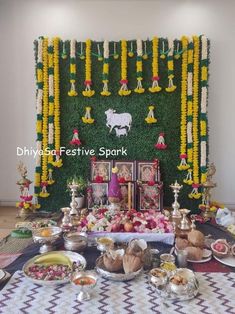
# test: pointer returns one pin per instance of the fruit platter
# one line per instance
(195, 246)
(123, 264)
(224, 252)
(55, 267)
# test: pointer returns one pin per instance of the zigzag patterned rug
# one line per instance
(216, 295)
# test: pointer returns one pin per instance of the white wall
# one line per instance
(21, 21)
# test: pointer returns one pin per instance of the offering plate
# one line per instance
(46, 236)
(103, 272)
(171, 292)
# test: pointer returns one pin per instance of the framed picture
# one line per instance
(98, 195)
(101, 168)
(150, 197)
(126, 169)
(148, 171)
(124, 191)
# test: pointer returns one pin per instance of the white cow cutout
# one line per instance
(121, 122)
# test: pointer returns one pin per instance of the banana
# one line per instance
(54, 259)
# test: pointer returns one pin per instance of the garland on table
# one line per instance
(189, 179)
(124, 91)
(155, 67)
(58, 161)
(170, 65)
(88, 92)
(73, 69)
(39, 99)
(203, 113)
(183, 122)
(139, 67)
(195, 193)
(105, 80)
(44, 176)
(51, 110)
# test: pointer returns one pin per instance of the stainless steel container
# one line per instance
(75, 241)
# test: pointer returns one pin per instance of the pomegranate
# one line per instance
(128, 226)
(116, 227)
(220, 248)
(233, 249)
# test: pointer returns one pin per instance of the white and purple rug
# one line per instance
(216, 295)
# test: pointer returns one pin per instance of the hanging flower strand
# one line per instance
(44, 177)
(195, 194)
(189, 178)
(155, 67)
(39, 99)
(105, 80)
(58, 161)
(51, 110)
(73, 69)
(203, 113)
(124, 91)
(139, 67)
(183, 123)
(150, 117)
(88, 92)
(170, 65)
(87, 118)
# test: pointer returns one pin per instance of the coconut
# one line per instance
(181, 243)
(220, 248)
(194, 253)
(196, 238)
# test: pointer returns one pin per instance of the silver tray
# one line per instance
(73, 256)
(100, 269)
(167, 294)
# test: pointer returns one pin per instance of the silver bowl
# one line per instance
(84, 294)
(46, 241)
(103, 247)
(158, 277)
(75, 241)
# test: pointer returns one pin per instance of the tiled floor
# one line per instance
(7, 220)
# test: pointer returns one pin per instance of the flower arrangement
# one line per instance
(170, 65)
(88, 92)
(150, 117)
(139, 67)
(195, 193)
(183, 121)
(155, 78)
(87, 118)
(64, 52)
(73, 69)
(160, 145)
(58, 161)
(105, 80)
(189, 179)
(144, 221)
(203, 106)
(75, 140)
(51, 109)
(124, 91)
(39, 101)
(44, 176)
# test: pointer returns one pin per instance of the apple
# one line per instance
(116, 227)
(128, 226)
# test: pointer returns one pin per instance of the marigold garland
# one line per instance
(189, 179)
(44, 176)
(183, 121)
(155, 67)
(51, 110)
(203, 113)
(139, 67)
(195, 193)
(170, 65)
(39, 99)
(124, 91)
(73, 68)
(88, 92)
(105, 80)
(58, 162)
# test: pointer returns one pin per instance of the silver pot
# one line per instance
(75, 241)
(80, 201)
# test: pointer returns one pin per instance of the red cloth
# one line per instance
(212, 266)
